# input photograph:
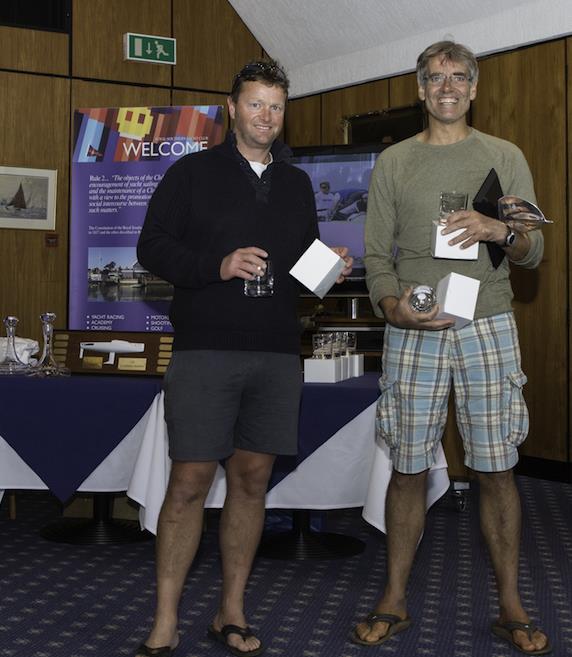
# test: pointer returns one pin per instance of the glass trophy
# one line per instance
(47, 365)
(351, 343)
(520, 215)
(11, 365)
(322, 345)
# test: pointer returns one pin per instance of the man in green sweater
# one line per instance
(422, 353)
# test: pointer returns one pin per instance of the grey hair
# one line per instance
(450, 51)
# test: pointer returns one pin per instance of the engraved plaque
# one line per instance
(112, 352)
(132, 364)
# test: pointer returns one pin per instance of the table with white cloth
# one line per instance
(107, 434)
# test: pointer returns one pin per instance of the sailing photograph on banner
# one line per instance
(28, 198)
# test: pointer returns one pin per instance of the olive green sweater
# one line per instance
(404, 201)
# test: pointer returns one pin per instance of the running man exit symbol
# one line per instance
(149, 48)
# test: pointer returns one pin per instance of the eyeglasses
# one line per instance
(455, 79)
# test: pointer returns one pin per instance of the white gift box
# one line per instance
(322, 370)
(318, 268)
(457, 298)
(355, 365)
(441, 249)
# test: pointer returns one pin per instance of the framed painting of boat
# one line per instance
(28, 198)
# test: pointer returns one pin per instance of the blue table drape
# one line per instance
(63, 428)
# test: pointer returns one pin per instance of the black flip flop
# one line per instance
(163, 651)
(221, 636)
(505, 631)
(396, 625)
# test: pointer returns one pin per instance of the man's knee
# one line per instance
(189, 482)
(403, 481)
(249, 476)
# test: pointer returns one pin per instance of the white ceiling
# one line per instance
(326, 44)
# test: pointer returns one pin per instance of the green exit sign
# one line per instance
(149, 48)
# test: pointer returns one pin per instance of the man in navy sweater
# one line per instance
(233, 387)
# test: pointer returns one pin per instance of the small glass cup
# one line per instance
(261, 285)
(451, 202)
(351, 342)
(339, 340)
(322, 345)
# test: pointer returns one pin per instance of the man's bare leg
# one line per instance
(501, 526)
(178, 537)
(242, 520)
(404, 519)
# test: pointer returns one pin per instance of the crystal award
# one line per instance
(520, 215)
(47, 365)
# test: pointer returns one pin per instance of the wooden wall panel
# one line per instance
(341, 103)
(98, 29)
(34, 51)
(510, 106)
(101, 94)
(213, 44)
(303, 118)
(403, 90)
(33, 277)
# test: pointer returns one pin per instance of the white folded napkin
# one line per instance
(25, 347)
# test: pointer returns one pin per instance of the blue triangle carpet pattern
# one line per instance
(61, 600)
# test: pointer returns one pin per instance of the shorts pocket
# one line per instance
(387, 413)
(514, 411)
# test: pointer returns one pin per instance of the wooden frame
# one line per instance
(28, 198)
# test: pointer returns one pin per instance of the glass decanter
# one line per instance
(12, 365)
(48, 365)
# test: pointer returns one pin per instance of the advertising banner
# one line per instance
(119, 156)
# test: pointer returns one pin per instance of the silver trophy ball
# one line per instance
(422, 299)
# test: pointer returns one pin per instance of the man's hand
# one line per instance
(399, 313)
(243, 263)
(478, 228)
(342, 251)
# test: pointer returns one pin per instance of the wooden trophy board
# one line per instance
(109, 352)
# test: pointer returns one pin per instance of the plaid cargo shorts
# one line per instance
(482, 361)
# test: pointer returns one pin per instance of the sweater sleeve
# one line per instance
(162, 248)
(381, 277)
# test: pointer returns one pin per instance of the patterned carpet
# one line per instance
(59, 600)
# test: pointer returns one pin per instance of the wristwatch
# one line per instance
(510, 238)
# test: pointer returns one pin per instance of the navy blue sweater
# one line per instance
(207, 205)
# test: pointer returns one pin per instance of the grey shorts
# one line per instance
(216, 401)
